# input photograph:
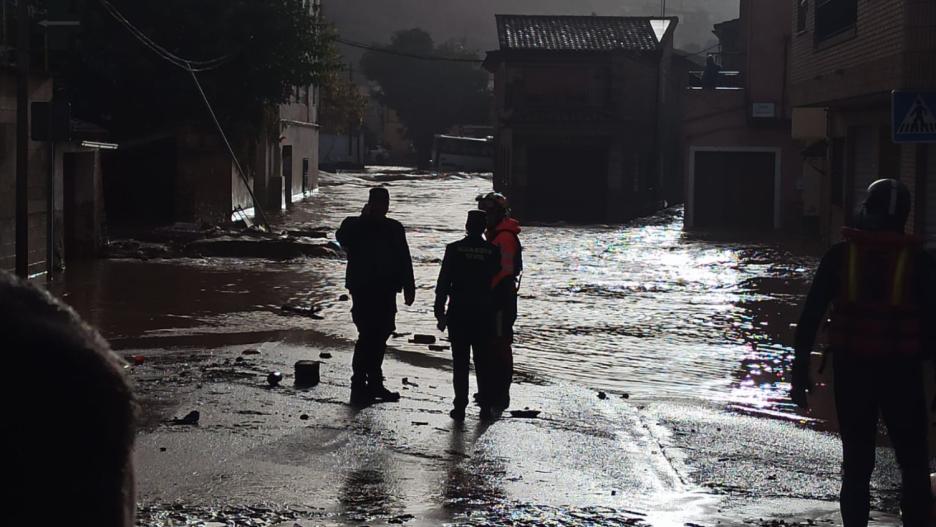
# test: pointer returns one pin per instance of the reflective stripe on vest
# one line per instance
(890, 325)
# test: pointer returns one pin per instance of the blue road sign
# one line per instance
(914, 117)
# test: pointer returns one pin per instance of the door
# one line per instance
(567, 183)
(287, 175)
(734, 191)
(80, 232)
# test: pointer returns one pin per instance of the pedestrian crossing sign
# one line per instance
(914, 117)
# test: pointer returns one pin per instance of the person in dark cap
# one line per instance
(379, 267)
(464, 304)
(881, 286)
(69, 416)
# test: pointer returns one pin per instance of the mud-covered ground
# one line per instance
(687, 337)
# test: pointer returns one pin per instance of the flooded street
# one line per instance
(642, 308)
(688, 336)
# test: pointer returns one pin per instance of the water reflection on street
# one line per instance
(643, 308)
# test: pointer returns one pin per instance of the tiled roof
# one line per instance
(580, 33)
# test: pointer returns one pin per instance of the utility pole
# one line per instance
(664, 8)
(22, 138)
(350, 119)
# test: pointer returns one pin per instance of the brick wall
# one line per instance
(869, 61)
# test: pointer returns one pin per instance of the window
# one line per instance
(834, 17)
(802, 12)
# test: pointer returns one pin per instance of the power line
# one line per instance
(193, 67)
(377, 49)
(165, 54)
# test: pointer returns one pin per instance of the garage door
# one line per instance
(734, 191)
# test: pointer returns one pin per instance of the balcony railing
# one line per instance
(724, 80)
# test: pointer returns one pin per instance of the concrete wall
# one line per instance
(81, 197)
(767, 63)
(40, 90)
(335, 152)
(301, 132)
(203, 189)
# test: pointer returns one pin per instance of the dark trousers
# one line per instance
(463, 344)
(374, 315)
(500, 356)
(865, 389)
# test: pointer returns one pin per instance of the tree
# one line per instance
(270, 47)
(342, 106)
(428, 95)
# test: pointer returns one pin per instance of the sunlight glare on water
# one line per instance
(641, 308)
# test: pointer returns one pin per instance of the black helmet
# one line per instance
(887, 206)
(493, 200)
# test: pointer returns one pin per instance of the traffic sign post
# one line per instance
(914, 117)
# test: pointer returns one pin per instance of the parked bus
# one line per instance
(467, 154)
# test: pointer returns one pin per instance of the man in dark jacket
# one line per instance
(881, 286)
(379, 267)
(468, 269)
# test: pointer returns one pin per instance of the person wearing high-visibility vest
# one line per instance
(503, 232)
(881, 286)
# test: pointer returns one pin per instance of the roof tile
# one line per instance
(576, 33)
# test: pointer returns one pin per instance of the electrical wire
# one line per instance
(193, 67)
(214, 117)
(165, 54)
(377, 49)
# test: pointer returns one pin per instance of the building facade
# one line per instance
(848, 57)
(586, 116)
(742, 168)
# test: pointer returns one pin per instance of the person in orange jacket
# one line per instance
(881, 286)
(504, 233)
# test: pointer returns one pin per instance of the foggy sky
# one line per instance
(373, 21)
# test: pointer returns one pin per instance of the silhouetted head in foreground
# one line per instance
(886, 208)
(496, 206)
(477, 222)
(378, 203)
(67, 429)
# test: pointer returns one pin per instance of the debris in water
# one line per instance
(190, 419)
(307, 373)
(138, 359)
(325, 355)
(311, 312)
(343, 298)
(602, 395)
(420, 423)
(525, 414)
(304, 417)
(406, 382)
(434, 347)
(625, 396)
(251, 352)
(275, 378)
(423, 339)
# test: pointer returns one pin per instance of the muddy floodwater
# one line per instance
(642, 308)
